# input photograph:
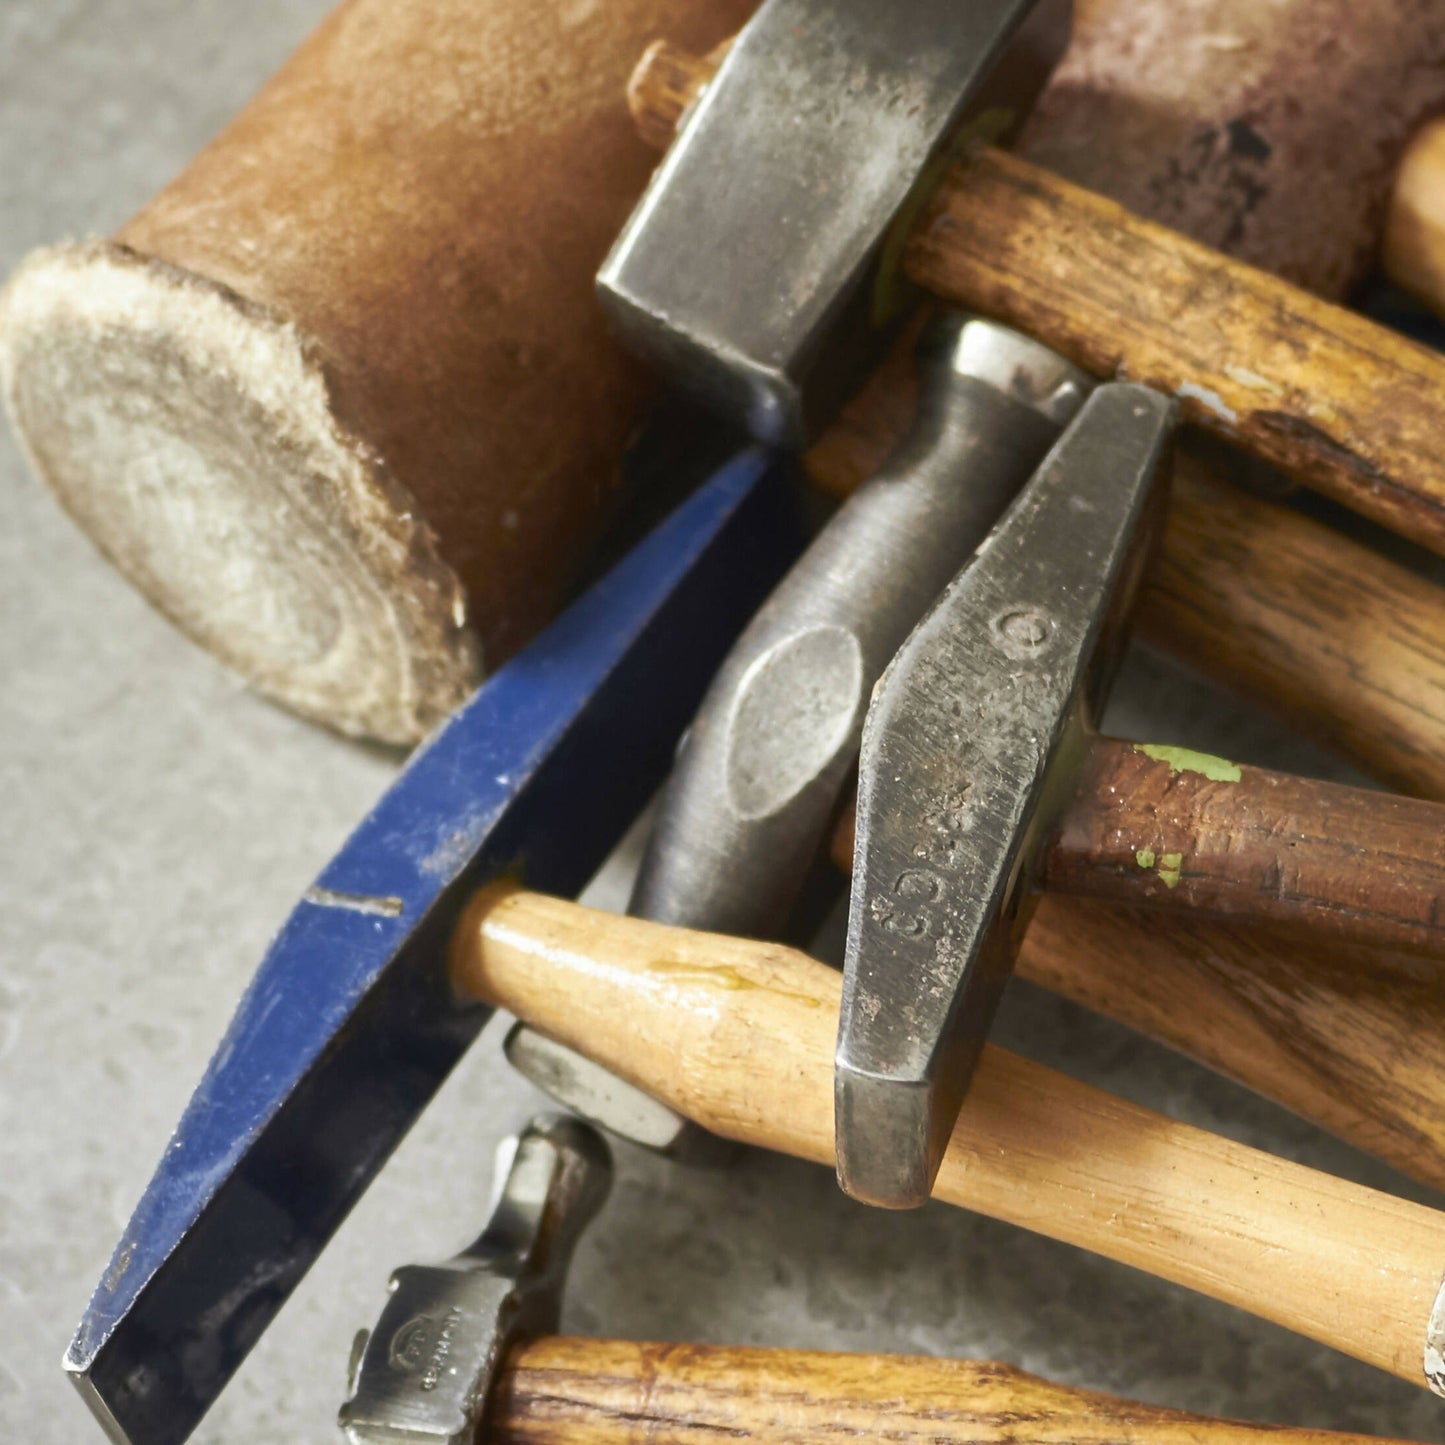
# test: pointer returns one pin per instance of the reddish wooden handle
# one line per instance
(614, 1392)
(1172, 828)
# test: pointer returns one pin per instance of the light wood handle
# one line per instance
(1173, 828)
(738, 1036)
(1334, 400)
(1413, 252)
(615, 1392)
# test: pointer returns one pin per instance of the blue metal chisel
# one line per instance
(349, 1026)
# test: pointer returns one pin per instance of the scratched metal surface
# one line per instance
(159, 821)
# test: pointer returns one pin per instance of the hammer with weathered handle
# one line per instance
(738, 1036)
(462, 1354)
(1280, 606)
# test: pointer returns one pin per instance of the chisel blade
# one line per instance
(349, 1025)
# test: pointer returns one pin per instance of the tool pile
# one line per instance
(913, 689)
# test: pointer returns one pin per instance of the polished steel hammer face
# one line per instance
(422, 1376)
(970, 749)
(756, 268)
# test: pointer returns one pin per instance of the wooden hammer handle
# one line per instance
(1167, 826)
(1173, 828)
(739, 1037)
(1334, 400)
(615, 1392)
(1348, 645)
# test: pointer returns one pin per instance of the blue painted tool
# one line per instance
(349, 1026)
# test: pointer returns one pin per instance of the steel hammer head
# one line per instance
(422, 1376)
(350, 1024)
(759, 266)
(972, 743)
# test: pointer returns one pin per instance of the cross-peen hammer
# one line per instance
(463, 1353)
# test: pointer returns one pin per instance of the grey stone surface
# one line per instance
(158, 822)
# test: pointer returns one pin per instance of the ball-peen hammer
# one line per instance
(464, 1353)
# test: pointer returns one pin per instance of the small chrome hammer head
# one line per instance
(422, 1376)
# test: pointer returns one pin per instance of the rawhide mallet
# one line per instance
(337, 400)
(415, 241)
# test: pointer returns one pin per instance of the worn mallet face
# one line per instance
(755, 269)
(350, 1024)
(971, 746)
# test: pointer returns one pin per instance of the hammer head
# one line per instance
(423, 1375)
(972, 744)
(758, 269)
(350, 1024)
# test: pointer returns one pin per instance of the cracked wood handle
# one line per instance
(1285, 610)
(1175, 828)
(738, 1036)
(614, 1392)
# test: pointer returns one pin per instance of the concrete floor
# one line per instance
(159, 821)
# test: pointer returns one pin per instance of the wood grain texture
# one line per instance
(739, 1037)
(615, 1392)
(1175, 829)
(1332, 399)
(1318, 862)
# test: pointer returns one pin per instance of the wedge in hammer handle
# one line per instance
(1348, 645)
(1173, 828)
(739, 1037)
(612, 1392)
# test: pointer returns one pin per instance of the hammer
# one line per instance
(466, 1352)
(738, 1036)
(1019, 243)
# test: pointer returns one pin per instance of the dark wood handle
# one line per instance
(1334, 400)
(739, 1036)
(1349, 646)
(613, 1392)
(1169, 827)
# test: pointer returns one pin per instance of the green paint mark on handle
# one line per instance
(1171, 865)
(1186, 760)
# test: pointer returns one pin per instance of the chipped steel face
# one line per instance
(757, 269)
(970, 747)
(350, 1026)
